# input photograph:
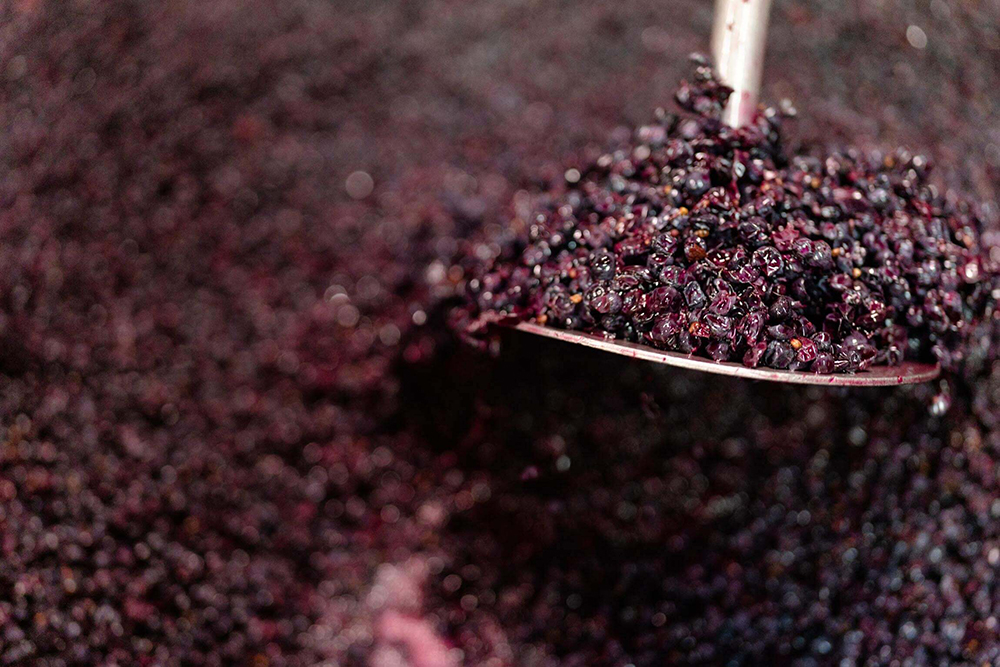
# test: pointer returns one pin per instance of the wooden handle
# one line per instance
(738, 48)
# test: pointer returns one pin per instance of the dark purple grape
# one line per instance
(723, 302)
(847, 362)
(768, 260)
(742, 273)
(694, 295)
(842, 255)
(779, 354)
(697, 183)
(656, 262)
(608, 303)
(781, 309)
(784, 237)
(753, 231)
(670, 276)
(717, 350)
(678, 151)
(822, 256)
(780, 332)
(806, 349)
(666, 327)
(602, 265)
(663, 299)
(665, 243)
(754, 355)
(751, 324)
(803, 248)
(823, 363)
(720, 325)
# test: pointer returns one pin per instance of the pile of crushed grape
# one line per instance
(235, 428)
(704, 239)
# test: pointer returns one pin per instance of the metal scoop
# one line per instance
(738, 49)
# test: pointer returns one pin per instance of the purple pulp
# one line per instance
(700, 238)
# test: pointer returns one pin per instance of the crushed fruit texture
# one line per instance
(235, 428)
(704, 239)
